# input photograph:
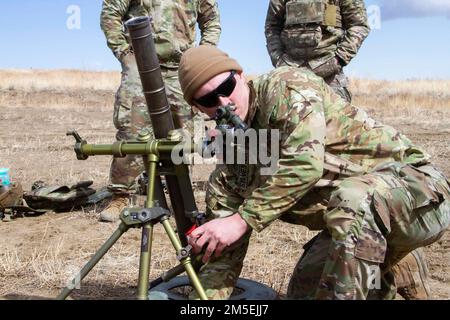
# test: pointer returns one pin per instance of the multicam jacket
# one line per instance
(173, 23)
(322, 140)
(314, 31)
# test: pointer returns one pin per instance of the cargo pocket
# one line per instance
(371, 246)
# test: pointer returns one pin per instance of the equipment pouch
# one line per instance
(302, 27)
(301, 38)
(304, 12)
(59, 197)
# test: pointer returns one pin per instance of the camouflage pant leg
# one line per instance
(361, 235)
(219, 276)
(131, 115)
(308, 272)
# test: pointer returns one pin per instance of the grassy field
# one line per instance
(39, 255)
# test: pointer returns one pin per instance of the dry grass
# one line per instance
(38, 80)
(39, 255)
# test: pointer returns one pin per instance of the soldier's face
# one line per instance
(225, 88)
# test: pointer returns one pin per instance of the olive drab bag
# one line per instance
(59, 197)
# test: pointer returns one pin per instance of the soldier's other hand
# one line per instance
(217, 235)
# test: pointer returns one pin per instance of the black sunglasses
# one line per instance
(225, 89)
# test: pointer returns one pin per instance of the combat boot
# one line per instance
(112, 212)
(411, 276)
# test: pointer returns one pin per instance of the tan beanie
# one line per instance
(200, 64)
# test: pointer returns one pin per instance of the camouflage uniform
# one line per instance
(312, 33)
(173, 23)
(372, 192)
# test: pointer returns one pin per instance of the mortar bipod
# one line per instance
(146, 218)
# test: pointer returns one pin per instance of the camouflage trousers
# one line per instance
(131, 115)
(371, 222)
(219, 275)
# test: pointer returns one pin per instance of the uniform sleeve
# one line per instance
(273, 26)
(300, 163)
(209, 22)
(356, 27)
(111, 22)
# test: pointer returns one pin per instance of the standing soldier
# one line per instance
(322, 35)
(173, 23)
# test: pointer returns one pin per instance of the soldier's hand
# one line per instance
(217, 234)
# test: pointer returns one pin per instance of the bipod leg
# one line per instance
(183, 256)
(144, 262)
(151, 162)
(176, 271)
(94, 260)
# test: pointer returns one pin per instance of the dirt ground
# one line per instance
(39, 255)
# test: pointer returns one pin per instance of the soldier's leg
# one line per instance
(411, 274)
(308, 271)
(307, 274)
(130, 115)
(369, 213)
(219, 276)
(357, 246)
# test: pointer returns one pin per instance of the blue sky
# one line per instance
(410, 38)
